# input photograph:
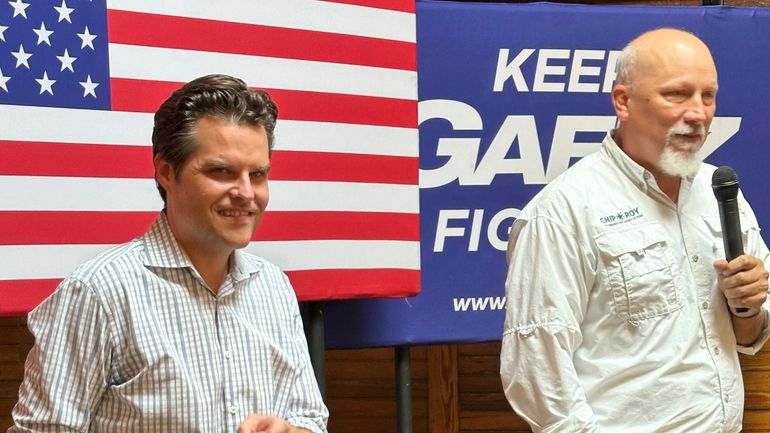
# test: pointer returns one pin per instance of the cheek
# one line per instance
(263, 196)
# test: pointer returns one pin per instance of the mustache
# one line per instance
(699, 130)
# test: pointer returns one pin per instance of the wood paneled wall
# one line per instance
(455, 388)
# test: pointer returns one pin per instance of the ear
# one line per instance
(164, 173)
(620, 97)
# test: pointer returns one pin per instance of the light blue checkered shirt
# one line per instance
(134, 341)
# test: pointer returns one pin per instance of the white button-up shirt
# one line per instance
(134, 341)
(614, 320)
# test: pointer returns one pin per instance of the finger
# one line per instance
(720, 265)
(752, 295)
(741, 263)
(742, 287)
(754, 301)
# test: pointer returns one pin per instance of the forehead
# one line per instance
(216, 135)
(682, 61)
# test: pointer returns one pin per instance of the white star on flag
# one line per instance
(88, 39)
(89, 87)
(66, 61)
(64, 12)
(22, 58)
(3, 80)
(43, 34)
(2, 30)
(19, 8)
(46, 84)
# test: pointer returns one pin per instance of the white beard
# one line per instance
(682, 163)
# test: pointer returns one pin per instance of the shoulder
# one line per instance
(571, 188)
(110, 263)
(89, 286)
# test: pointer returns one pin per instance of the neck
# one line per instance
(211, 267)
(668, 184)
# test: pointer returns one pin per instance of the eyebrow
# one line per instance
(207, 165)
(264, 169)
(212, 164)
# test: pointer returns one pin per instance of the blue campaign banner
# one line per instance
(510, 96)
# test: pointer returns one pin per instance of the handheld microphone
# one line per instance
(724, 182)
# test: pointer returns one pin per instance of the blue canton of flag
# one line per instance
(54, 54)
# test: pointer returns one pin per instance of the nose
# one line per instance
(243, 189)
(697, 111)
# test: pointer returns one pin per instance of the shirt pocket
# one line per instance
(715, 227)
(639, 272)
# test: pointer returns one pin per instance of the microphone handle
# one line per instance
(731, 228)
(732, 238)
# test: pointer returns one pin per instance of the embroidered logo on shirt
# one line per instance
(621, 217)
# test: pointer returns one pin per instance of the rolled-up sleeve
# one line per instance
(547, 287)
(756, 247)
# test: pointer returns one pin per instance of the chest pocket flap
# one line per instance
(638, 272)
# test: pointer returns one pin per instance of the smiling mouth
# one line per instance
(235, 213)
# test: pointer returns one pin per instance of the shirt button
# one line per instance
(727, 398)
(716, 351)
(705, 305)
(233, 410)
(227, 354)
(695, 258)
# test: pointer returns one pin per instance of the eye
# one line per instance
(676, 95)
(219, 172)
(257, 174)
(708, 97)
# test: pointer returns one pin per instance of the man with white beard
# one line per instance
(621, 310)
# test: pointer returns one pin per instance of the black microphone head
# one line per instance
(724, 182)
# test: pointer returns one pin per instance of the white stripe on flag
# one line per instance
(298, 14)
(58, 261)
(346, 138)
(74, 125)
(162, 64)
(128, 128)
(38, 193)
(338, 254)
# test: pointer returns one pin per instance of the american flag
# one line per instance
(80, 81)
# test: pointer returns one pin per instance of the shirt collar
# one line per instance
(161, 248)
(163, 251)
(243, 265)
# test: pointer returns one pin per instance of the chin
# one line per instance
(241, 243)
(677, 163)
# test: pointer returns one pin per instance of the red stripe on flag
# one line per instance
(395, 5)
(146, 96)
(61, 227)
(29, 158)
(344, 167)
(70, 227)
(136, 28)
(307, 225)
(21, 158)
(326, 284)
(18, 297)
